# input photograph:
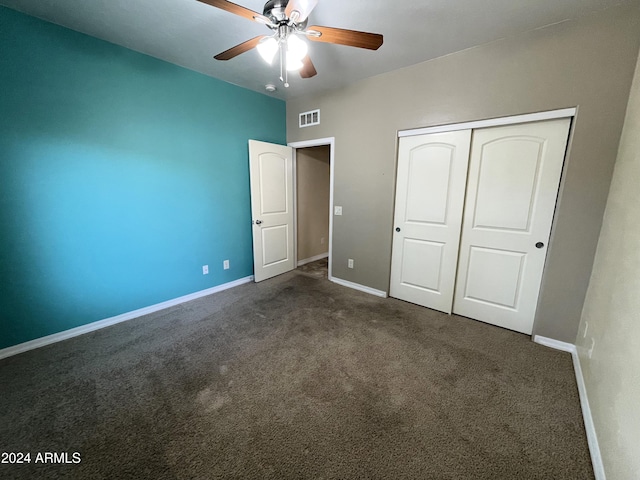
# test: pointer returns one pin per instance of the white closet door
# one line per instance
(514, 174)
(432, 171)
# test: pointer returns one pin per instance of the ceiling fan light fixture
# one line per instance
(297, 48)
(294, 64)
(267, 48)
(288, 19)
(295, 15)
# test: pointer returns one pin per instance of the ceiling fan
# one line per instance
(288, 21)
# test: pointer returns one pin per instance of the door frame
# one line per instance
(330, 141)
(493, 122)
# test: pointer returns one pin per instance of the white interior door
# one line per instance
(514, 174)
(432, 171)
(271, 208)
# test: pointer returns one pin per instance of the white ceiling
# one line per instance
(189, 33)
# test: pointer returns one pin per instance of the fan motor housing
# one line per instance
(275, 11)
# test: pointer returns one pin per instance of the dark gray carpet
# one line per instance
(295, 378)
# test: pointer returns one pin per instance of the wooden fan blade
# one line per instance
(237, 9)
(352, 38)
(308, 70)
(303, 7)
(238, 49)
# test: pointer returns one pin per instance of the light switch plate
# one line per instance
(337, 210)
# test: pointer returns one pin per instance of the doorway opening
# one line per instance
(313, 173)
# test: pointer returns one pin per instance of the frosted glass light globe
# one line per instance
(296, 48)
(267, 48)
(294, 64)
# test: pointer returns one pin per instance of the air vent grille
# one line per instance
(310, 118)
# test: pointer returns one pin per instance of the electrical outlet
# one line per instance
(225, 264)
(590, 351)
(337, 210)
(350, 263)
(205, 269)
(321, 240)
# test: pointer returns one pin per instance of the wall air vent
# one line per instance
(308, 119)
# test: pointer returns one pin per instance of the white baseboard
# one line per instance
(357, 286)
(592, 439)
(107, 322)
(556, 344)
(312, 259)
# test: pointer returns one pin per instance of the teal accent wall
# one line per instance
(120, 176)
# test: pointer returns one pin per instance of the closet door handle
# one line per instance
(397, 229)
(539, 245)
(258, 222)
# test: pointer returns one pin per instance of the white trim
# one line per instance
(331, 141)
(357, 286)
(592, 438)
(107, 322)
(491, 122)
(556, 344)
(332, 173)
(294, 173)
(312, 259)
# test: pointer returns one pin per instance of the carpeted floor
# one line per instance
(317, 269)
(295, 378)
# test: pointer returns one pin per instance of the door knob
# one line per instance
(539, 245)
(258, 222)
(397, 229)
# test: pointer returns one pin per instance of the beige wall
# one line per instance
(612, 311)
(587, 63)
(313, 177)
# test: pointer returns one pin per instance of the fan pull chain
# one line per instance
(286, 70)
(284, 73)
(281, 63)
